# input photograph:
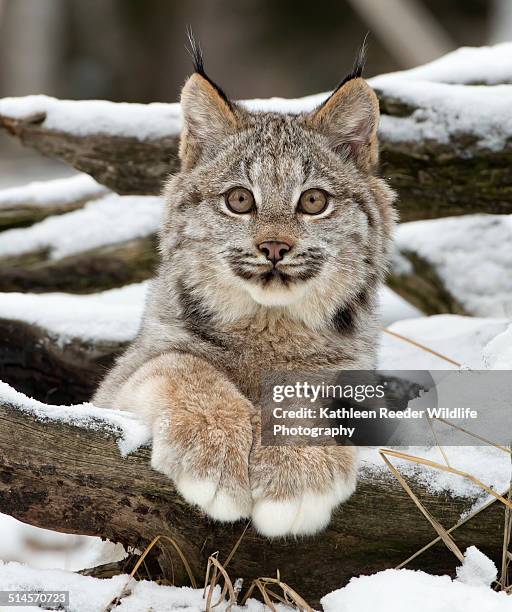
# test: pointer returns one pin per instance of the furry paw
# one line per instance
(306, 514)
(215, 500)
(215, 481)
(295, 489)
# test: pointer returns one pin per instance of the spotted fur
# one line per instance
(219, 314)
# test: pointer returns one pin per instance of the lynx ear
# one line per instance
(208, 115)
(350, 118)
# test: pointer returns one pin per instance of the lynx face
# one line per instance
(272, 208)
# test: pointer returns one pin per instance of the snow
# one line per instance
(83, 118)
(405, 590)
(477, 569)
(439, 115)
(109, 316)
(460, 338)
(114, 315)
(131, 433)
(488, 65)
(109, 220)
(472, 255)
(497, 354)
(89, 594)
(44, 549)
(475, 342)
(393, 308)
(490, 465)
(62, 191)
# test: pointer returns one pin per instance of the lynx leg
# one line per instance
(202, 432)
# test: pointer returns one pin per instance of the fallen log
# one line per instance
(22, 206)
(111, 242)
(102, 268)
(57, 347)
(66, 473)
(39, 365)
(421, 286)
(457, 266)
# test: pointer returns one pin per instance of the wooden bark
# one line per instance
(433, 179)
(125, 164)
(21, 215)
(105, 267)
(423, 288)
(40, 365)
(71, 479)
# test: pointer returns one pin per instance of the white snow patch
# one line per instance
(477, 569)
(393, 308)
(131, 431)
(488, 65)
(109, 316)
(85, 117)
(110, 220)
(405, 590)
(445, 111)
(89, 594)
(460, 338)
(497, 355)
(41, 194)
(472, 255)
(53, 550)
(490, 465)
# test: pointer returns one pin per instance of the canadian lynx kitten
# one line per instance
(275, 240)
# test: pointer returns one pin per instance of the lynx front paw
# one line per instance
(211, 473)
(306, 486)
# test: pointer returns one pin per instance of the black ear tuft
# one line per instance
(195, 52)
(359, 62)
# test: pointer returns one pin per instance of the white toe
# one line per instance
(274, 518)
(225, 508)
(343, 489)
(163, 459)
(313, 515)
(195, 490)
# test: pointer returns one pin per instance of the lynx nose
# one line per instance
(274, 250)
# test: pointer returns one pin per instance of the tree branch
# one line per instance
(72, 478)
(105, 267)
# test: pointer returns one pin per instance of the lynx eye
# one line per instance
(239, 200)
(313, 202)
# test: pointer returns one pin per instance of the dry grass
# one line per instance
(444, 534)
(126, 591)
(215, 571)
(420, 346)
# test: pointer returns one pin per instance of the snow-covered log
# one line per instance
(84, 470)
(108, 243)
(21, 206)
(57, 347)
(458, 265)
(446, 142)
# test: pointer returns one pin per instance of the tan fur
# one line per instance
(218, 317)
(355, 108)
